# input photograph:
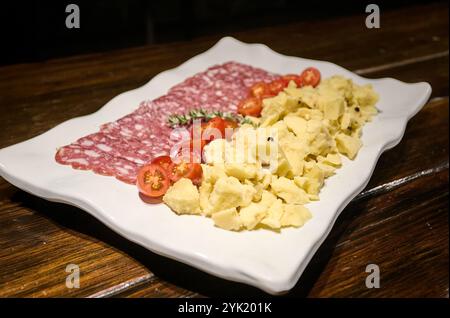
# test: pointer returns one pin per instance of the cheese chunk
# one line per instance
(314, 172)
(183, 197)
(294, 151)
(289, 191)
(204, 192)
(365, 96)
(348, 145)
(275, 107)
(319, 138)
(332, 159)
(309, 114)
(227, 219)
(265, 180)
(295, 215)
(251, 215)
(241, 171)
(337, 84)
(212, 173)
(296, 124)
(273, 215)
(268, 198)
(228, 193)
(346, 121)
(310, 185)
(307, 96)
(332, 105)
(214, 152)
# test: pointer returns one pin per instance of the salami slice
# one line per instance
(87, 159)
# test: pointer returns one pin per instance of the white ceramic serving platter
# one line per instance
(268, 260)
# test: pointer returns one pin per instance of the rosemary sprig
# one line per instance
(186, 119)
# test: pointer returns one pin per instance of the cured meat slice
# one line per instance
(87, 159)
(131, 150)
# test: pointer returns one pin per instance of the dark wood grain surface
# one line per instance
(399, 222)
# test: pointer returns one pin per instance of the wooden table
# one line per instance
(400, 222)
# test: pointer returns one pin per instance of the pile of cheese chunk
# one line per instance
(264, 175)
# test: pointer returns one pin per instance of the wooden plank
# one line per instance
(156, 288)
(404, 232)
(433, 71)
(38, 239)
(424, 146)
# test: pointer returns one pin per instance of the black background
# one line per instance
(35, 30)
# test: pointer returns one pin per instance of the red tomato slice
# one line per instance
(259, 89)
(267, 96)
(251, 106)
(185, 169)
(163, 161)
(153, 181)
(213, 129)
(190, 151)
(292, 77)
(276, 86)
(150, 200)
(230, 124)
(310, 76)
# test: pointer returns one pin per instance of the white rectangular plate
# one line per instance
(265, 259)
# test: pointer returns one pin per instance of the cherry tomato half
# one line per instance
(163, 161)
(310, 76)
(276, 86)
(185, 169)
(153, 181)
(251, 106)
(190, 150)
(230, 124)
(267, 96)
(213, 129)
(292, 77)
(259, 89)
(150, 200)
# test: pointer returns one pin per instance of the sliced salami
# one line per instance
(87, 159)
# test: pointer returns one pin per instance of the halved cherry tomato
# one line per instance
(163, 161)
(251, 106)
(276, 86)
(207, 131)
(153, 180)
(185, 169)
(292, 77)
(310, 76)
(259, 89)
(213, 129)
(230, 124)
(267, 96)
(150, 200)
(190, 150)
